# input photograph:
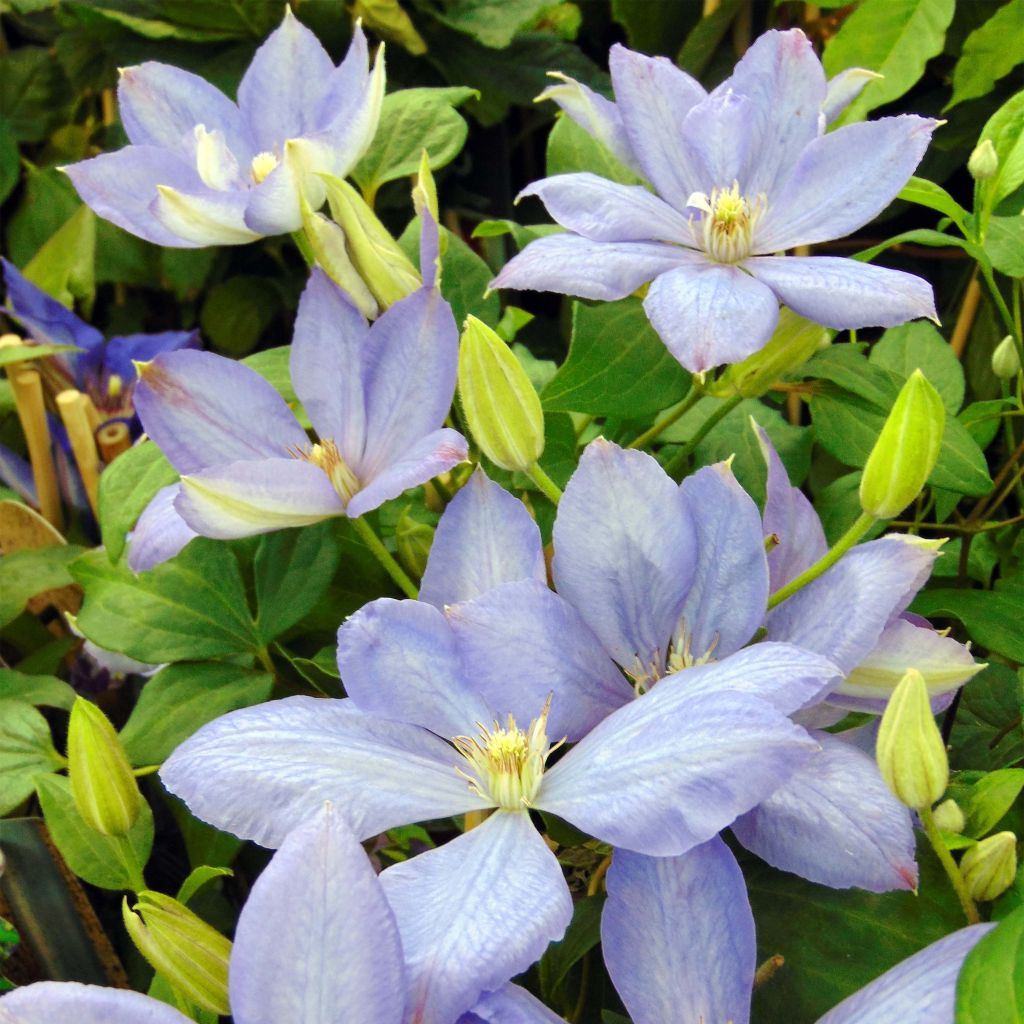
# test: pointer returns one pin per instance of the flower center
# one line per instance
(680, 655)
(262, 164)
(326, 456)
(507, 763)
(725, 231)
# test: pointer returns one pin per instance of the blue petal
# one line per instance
(836, 823)
(476, 912)
(274, 206)
(316, 940)
(510, 1005)
(47, 1002)
(843, 89)
(690, 920)
(720, 147)
(122, 352)
(485, 537)
(160, 532)
(201, 216)
(17, 474)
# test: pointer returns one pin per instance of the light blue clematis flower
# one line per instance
(316, 943)
(453, 704)
(377, 396)
(739, 175)
(202, 171)
(691, 918)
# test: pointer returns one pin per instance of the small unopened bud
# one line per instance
(102, 784)
(989, 868)
(327, 241)
(501, 405)
(910, 752)
(949, 817)
(377, 257)
(424, 192)
(1006, 359)
(984, 161)
(906, 450)
(413, 539)
(190, 954)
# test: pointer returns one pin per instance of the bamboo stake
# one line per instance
(71, 406)
(965, 319)
(113, 439)
(91, 413)
(28, 399)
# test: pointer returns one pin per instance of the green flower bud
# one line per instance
(984, 161)
(1006, 359)
(386, 18)
(794, 342)
(102, 784)
(989, 868)
(906, 450)
(910, 752)
(181, 946)
(949, 817)
(413, 539)
(375, 254)
(501, 406)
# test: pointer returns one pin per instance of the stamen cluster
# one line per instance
(726, 230)
(325, 456)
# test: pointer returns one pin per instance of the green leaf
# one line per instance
(65, 266)
(20, 353)
(961, 467)
(991, 617)
(10, 168)
(919, 345)
(33, 92)
(199, 877)
(982, 420)
(703, 40)
(272, 365)
(94, 857)
(919, 236)
(571, 149)
(23, 574)
(193, 606)
(49, 200)
(35, 689)
(492, 24)
(617, 365)
(935, 197)
(582, 935)
(237, 312)
(990, 987)
(654, 28)
(204, 844)
(991, 51)
(895, 39)
(987, 732)
(1004, 244)
(413, 120)
(990, 798)
(26, 751)
(293, 569)
(181, 698)
(127, 486)
(1006, 130)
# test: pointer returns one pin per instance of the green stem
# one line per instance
(300, 239)
(1004, 311)
(129, 858)
(584, 422)
(931, 830)
(679, 460)
(545, 483)
(263, 657)
(692, 398)
(863, 523)
(381, 553)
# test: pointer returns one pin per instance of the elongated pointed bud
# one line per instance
(989, 868)
(413, 539)
(910, 752)
(327, 242)
(949, 817)
(102, 785)
(984, 161)
(794, 342)
(181, 946)
(1006, 359)
(387, 271)
(501, 405)
(906, 450)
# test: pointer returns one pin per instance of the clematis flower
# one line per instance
(316, 942)
(699, 954)
(451, 711)
(377, 396)
(202, 171)
(738, 175)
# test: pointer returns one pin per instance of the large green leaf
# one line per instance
(992, 617)
(65, 266)
(992, 50)
(492, 24)
(919, 345)
(33, 92)
(987, 732)
(990, 988)
(237, 312)
(35, 689)
(990, 798)
(26, 751)
(571, 149)
(1005, 129)
(23, 574)
(272, 365)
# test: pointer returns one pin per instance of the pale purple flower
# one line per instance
(377, 396)
(202, 171)
(739, 175)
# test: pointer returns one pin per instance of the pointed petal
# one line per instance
(242, 499)
(262, 771)
(204, 410)
(316, 941)
(485, 537)
(842, 613)
(511, 1004)
(428, 456)
(398, 660)
(160, 532)
(274, 206)
(836, 823)
(691, 918)
(661, 783)
(920, 990)
(789, 518)
(121, 352)
(512, 901)
(520, 644)
(844, 88)
(402, 406)
(325, 362)
(842, 293)
(46, 1002)
(843, 180)
(727, 602)
(572, 265)
(281, 92)
(653, 96)
(711, 314)
(122, 186)
(203, 217)
(624, 552)
(606, 211)
(719, 144)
